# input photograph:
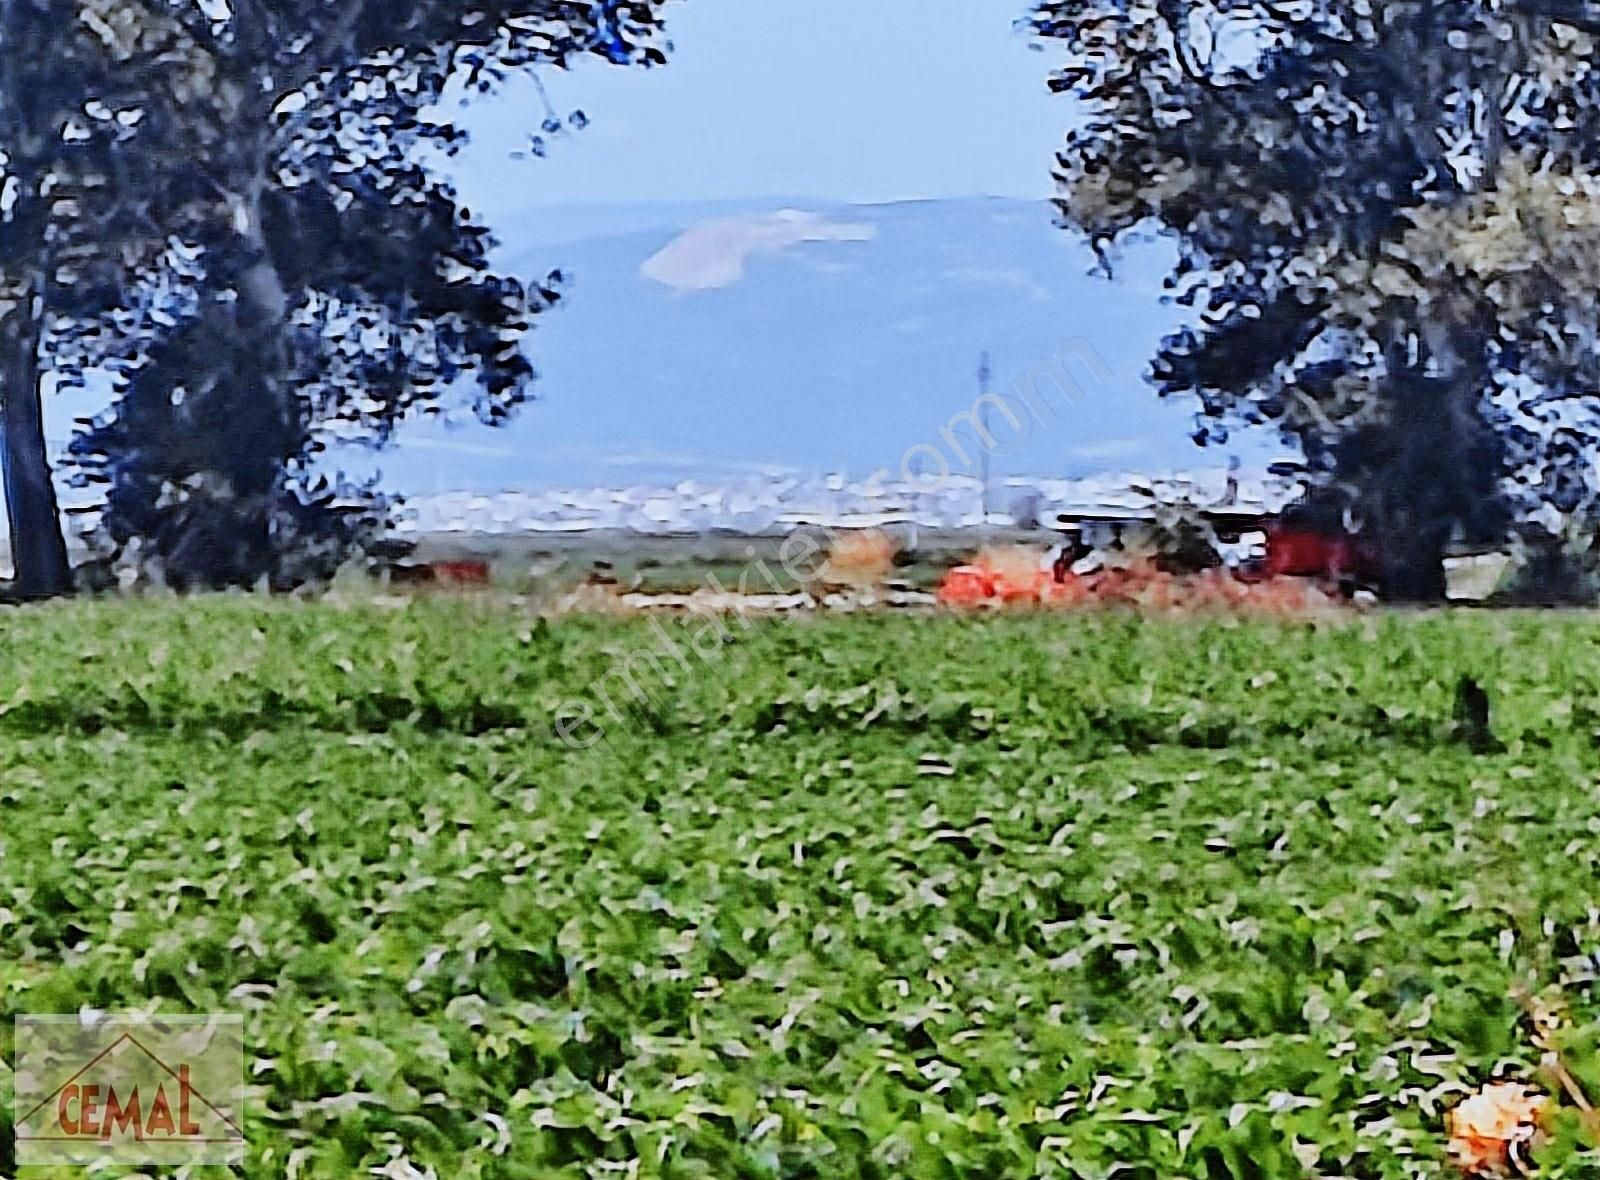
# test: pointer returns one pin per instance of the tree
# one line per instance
(1385, 218)
(73, 228)
(336, 283)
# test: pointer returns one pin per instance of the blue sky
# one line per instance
(854, 100)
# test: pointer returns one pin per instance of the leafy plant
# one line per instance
(991, 897)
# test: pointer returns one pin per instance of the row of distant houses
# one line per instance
(781, 504)
(460, 532)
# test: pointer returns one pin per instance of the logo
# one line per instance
(165, 1090)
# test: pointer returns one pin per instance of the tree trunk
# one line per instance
(1434, 419)
(263, 307)
(1413, 567)
(38, 548)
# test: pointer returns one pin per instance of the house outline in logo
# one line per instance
(103, 1135)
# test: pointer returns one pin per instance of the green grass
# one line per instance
(882, 897)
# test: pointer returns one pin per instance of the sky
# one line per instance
(853, 100)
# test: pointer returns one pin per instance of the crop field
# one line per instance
(928, 897)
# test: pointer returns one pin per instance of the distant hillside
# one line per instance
(720, 340)
(732, 340)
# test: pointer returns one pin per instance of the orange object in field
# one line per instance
(966, 585)
(1071, 590)
(1012, 589)
(864, 558)
(998, 577)
(994, 581)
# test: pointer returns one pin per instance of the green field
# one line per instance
(881, 897)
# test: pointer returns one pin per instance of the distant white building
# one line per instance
(776, 505)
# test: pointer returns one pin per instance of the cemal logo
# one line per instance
(80, 1115)
(146, 1090)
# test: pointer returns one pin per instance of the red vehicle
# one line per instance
(1300, 549)
(461, 573)
(441, 573)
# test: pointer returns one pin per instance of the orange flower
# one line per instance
(1484, 1127)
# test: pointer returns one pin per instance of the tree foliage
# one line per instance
(305, 276)
(78, 224)
(1387, 223)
